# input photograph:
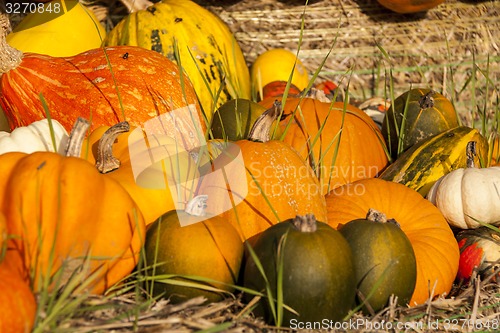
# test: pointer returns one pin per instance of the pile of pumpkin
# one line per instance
(158, 143)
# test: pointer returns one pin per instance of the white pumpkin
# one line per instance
(34, 137)
(468, 197)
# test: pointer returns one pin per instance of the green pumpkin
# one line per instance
(234, 119)
(188, 243)
(415, 116)
(318, 278)
(384, 261)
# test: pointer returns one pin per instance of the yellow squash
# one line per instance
(206, 48)
(60, 28)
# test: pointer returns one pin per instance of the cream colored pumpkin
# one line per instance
(468, 197)
(34, 137)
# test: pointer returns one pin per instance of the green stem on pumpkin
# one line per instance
(261, 129)
(305, 223)
(76, 137)
(10, 57)
(106, 162)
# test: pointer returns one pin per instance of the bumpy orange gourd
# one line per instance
(270, 184)
(435, 247)
(341, 142)
(63, 205)
(409, 6)
(106, 85)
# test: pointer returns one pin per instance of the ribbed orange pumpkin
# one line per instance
(270, 184)
(64, 215)
(409, 6)
(436, 249)
(341, 142)
(140, 85)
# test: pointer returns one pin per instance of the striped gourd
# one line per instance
(207, 50)
(423, 164)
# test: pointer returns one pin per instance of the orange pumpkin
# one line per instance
(63, 215)
(409, 6)
(267, 184)
(136, 85)
(494, 152)
(436, 249)
(17, 302)
(338, 140)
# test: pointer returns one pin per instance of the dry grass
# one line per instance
(470, 308)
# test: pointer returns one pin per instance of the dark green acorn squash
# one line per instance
(384, 261)
(318, 280)
(415, 116)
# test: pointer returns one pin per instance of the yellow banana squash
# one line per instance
(200, 42)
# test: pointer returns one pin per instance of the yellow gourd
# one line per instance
(60, 28)
(198, 40)
(277, 65)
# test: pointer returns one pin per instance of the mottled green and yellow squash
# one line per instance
(423, 164)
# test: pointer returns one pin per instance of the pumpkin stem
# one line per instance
(305, 223)
(197, 206)
(261, 129)
(471, 152)
(76, 137)
(318, 95)
(379, 217)
(10, 57)
(106, 162)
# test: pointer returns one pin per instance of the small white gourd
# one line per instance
(34, 137)
(468, 197)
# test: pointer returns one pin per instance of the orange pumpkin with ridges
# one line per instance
(269, 184)
(136, 85)
(339, 141)
(435, 247)
(65, 201)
